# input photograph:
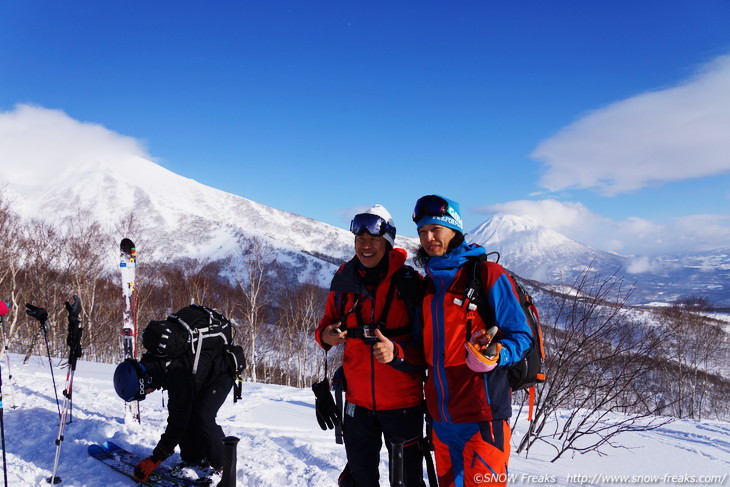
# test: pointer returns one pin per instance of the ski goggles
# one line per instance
(433, 205)
(373, 224)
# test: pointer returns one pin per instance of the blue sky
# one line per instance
(608, 121)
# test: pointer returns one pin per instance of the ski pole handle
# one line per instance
(74, 306)
(38, 313)
(73, 339)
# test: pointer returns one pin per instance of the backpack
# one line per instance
(528, 372)
(188, 332)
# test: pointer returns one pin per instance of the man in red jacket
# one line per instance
(368, 302)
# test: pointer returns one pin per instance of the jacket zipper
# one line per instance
(372, 358)
(439, 330)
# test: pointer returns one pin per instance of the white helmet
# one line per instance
(377, 222)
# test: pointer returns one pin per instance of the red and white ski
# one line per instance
(128, 269)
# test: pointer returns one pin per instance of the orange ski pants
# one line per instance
(472, 454)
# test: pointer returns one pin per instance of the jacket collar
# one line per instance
(349, 280)
(445, 267)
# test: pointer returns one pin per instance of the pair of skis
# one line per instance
(123, 461)
(128, 270)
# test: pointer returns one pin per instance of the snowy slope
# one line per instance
(282, 445)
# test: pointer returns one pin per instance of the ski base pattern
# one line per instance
(123, 461)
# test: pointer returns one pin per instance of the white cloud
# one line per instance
(629, 236)
(36, 139)
(642, 264)
(661, 136)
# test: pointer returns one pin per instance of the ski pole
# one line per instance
(74, 342)
(2, 431)
(42, 316)
(427, 448)
(3, 312)
(396, 464)
(230, 444)
(4, 308)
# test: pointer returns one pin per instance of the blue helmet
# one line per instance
(131, 379)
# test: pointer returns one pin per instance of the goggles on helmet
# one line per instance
(373, 224)
(433, 205)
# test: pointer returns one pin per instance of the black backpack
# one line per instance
(528, 372)
(189, 331)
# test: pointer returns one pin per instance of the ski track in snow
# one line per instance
(281, 443)
(705, 434)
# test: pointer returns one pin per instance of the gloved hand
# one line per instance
(144, 468)
(327, 414)
(73, 307)
(38, 313)
(73, 339)
(481, 354)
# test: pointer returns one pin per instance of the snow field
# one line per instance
(281, 443)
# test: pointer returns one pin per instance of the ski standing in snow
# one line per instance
(128, 271)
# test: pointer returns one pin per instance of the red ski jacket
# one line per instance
(369, 383)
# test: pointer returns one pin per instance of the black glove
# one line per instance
(327, 414)
(73, 338)
(38, 313)
(74, 308)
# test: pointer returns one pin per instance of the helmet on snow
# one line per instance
(131, 379)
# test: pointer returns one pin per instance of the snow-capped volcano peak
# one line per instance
(521, 230)
(523, 235)
(171, 215)
(531, 249)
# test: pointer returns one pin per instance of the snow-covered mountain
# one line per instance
(536, 252)
(176, 217)
(173, 215)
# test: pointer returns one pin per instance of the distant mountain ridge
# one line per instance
(178, 217)
(536, 252)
